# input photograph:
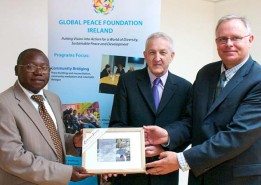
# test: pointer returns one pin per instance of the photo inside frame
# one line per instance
(114, 150)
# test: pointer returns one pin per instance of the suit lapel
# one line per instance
(169, 90)
(214, 77)
(236, 79)
(144, 85)
(32, 113)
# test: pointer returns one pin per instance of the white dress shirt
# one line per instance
(35, 104)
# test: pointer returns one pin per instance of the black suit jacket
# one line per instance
(225, 132)
(133, 106)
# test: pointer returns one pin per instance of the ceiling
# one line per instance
(213, 0)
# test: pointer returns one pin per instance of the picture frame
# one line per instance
(113, 150)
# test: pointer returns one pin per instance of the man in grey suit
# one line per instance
(28, 153)
(134, 104)
(224, 125)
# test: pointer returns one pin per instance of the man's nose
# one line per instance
(157, 57)
(38, 70)
(229, 42)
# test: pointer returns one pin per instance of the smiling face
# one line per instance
(233, 52)
(32, 81)
(158, 55)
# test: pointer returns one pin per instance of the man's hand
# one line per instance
(155, 135)
(77, 139)
(108, 175)
(168, 163)
(79, 173)
(153, 150)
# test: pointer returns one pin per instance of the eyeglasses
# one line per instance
(233, 39)
(31, 68)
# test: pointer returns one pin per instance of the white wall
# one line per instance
(23, 24)
(191, 23)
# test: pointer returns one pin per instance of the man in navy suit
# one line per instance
(224, 128)
(134, 106)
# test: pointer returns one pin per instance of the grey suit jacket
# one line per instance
(27, 153)
(133, 106)
(225, 132)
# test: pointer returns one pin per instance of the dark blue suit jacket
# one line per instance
(133, 106)
(225, 132)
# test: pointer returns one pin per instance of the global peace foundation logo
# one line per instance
(103, 6)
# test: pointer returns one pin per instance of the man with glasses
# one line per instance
(224, 117)
(32, 143)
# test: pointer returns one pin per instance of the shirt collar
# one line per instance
(29, 93)
(163, 78)
(232, 71)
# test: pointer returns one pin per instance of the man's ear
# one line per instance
(251, 39)
(16, 70)
(172, 55)
(144, 54)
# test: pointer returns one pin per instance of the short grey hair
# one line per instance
(233, 17)
(160, 35)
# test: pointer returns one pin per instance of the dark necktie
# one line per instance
(221, 84)
(50, 126)
(155, 90)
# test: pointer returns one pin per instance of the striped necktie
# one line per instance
(221, 84)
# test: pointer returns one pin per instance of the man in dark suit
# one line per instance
(224, 124)
(134, 104)
(30, 151)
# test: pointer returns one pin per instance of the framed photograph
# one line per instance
(113, 150)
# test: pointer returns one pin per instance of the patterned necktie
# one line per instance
(50, 126)
(155, 90)
(221, 84)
